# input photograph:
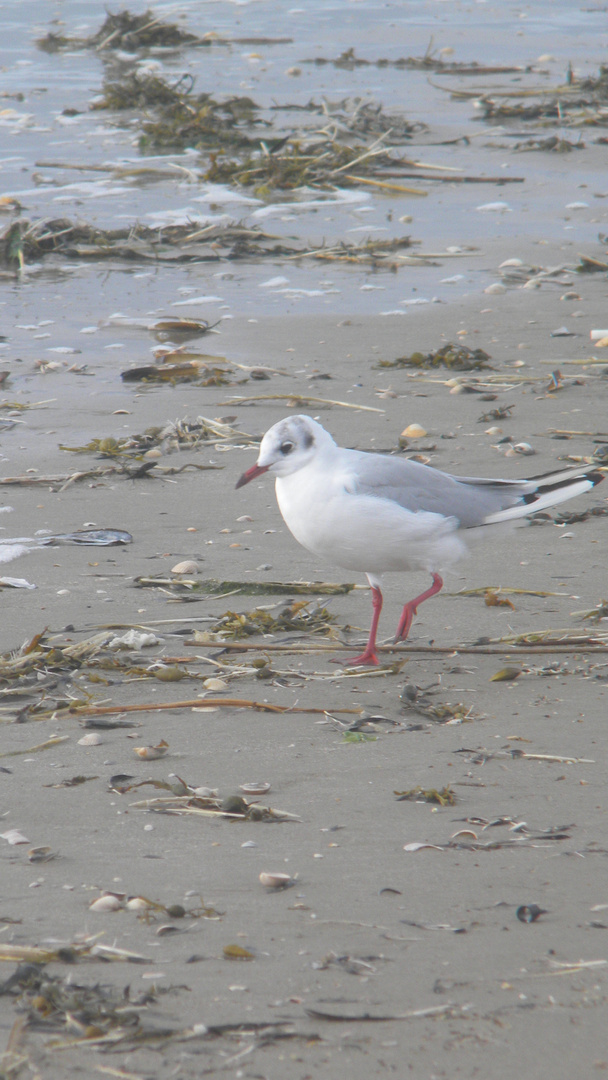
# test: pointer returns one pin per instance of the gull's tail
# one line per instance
(540, 492)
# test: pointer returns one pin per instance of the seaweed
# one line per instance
(127, 32)
(456, 357)
(25, 241)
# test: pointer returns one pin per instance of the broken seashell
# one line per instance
(14, 837)
(149, 753)
(413, 431)
(495, 288)
(255, 789)
(493, 431)
(275, 881)
(107, 902)
(188, 566)
(521, 448)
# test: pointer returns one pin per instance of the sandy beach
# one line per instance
(454, 932)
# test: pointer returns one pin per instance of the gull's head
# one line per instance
(287, 447)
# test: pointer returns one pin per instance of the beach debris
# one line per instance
(127, 32)
(213, 587)
(83, 537)
(108, 902)
(133, 639)
(41, 854)
(431, 60)
(413, 431)
(186, 566)
(530, 913)
(521, 836)
(457, 357)
(48, 745)
(506, 674)
(259, 788)
(444, 797)
(595, 614)
(577, 102)
(234, 807)
(296, 400)
(237, 952)
(494, 598)
(74, 781)
(300, 616)
(275, 880)
(26, 241)
(93, 739)
(151, 753)
(421, 701)
(15, 583)
(14, 837)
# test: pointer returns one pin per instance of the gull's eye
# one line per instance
(286, 448)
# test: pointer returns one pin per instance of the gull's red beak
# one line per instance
(250, 474)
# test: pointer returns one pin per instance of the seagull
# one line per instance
(377, 513)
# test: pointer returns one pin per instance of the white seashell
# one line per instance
(275, 881)
(92, 739)
(255, 789)
(108, 902)
(14, 837)
(510, 262)
(413, 431)
(493, 431)
(215, 684)
(493, 207)
(188, 566)
(495, 288)
(533, 283)
(137, 903)
(153, 454)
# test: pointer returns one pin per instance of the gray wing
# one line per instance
(419, 487)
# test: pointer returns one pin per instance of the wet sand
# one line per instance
(445, 935)
(377, 959)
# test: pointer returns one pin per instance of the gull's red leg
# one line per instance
(411, 609)
(369, 655)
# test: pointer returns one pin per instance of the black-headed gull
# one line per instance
(377, 513)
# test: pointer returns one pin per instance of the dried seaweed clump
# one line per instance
(456, 357)
(127, 32)
(183, 119)
(24, 241)
(296, 617)
(578, 103)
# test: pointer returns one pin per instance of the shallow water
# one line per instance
(61, 310)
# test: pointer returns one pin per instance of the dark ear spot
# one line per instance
(308, 440)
